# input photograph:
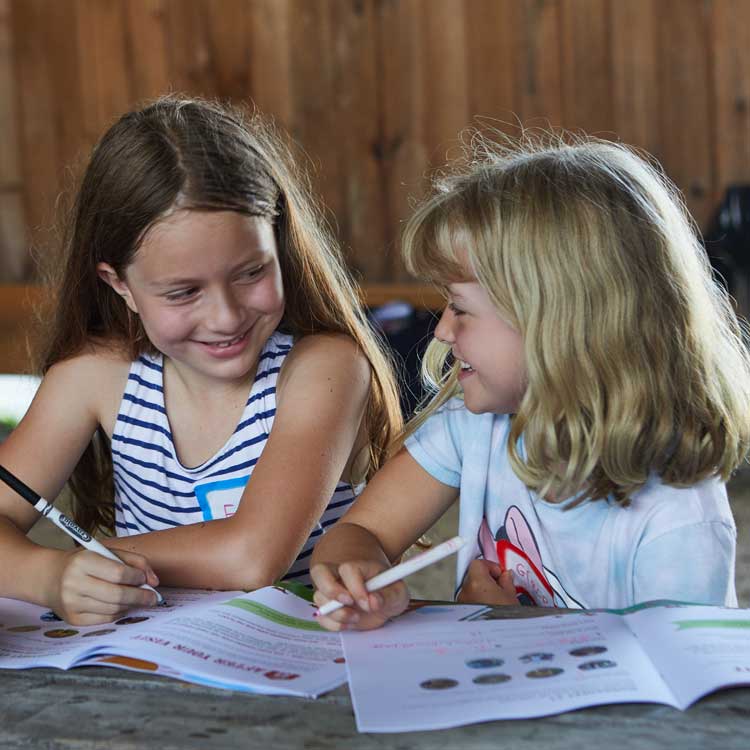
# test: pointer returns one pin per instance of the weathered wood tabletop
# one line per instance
(99, 707)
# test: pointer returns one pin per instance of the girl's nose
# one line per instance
(444, 328)
(225, 314)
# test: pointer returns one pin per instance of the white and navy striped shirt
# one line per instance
(154, 491)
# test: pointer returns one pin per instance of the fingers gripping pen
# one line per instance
(397, 572)
(68, 525)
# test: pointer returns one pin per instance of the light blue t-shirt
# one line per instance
(669, 543)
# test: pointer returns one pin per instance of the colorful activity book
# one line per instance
(439, 667)
(435, 667)
(263, 642)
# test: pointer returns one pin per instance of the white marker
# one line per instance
(397, 572)
(68, 525)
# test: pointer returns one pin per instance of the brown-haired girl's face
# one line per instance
(491, 352)
(208, 290)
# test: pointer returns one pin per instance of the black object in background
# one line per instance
(727, 239)
(407, 331)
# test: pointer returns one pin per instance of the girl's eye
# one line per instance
(454, 309)
(181, 294)
(252, 273)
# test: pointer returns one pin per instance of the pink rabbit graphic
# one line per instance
(515, 548)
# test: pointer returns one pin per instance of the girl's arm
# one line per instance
(321, 397)
(79, 585)
(400, 503)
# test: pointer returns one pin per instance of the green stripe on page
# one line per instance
(268, 613)
(297, 588)
(685, 624)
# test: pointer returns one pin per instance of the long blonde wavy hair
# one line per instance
(636, 361)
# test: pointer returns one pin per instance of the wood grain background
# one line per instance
(375, 91)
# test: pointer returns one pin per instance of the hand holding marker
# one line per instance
(64, 523)
(397, 572)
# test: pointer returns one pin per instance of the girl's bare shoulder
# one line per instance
(93, 380)
(334, 350)
(98, 357)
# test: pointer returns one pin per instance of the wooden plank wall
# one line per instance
(375, 91)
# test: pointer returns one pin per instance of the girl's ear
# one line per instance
(109, 276)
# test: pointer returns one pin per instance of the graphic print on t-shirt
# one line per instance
(219, 499)
(514, 547)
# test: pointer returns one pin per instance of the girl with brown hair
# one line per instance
(211, 386)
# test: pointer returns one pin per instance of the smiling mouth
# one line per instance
(226, 344)
(466, 367)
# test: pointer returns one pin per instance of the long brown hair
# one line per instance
(179, 152)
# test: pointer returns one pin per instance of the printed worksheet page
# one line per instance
(266, 641)
(424, 671)
(31, 636)
(697, 649)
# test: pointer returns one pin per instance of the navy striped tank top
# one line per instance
(154, 491)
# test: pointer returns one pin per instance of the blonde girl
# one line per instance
(211, 387)
(592, 395)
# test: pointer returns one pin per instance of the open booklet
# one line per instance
(263, 642)
(453, 665)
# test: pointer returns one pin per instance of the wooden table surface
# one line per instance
(100, 707)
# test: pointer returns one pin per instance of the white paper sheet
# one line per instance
(266, 641)
(444, 674)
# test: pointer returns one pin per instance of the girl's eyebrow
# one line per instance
(172, 282)
(453, 293)
(188, 281)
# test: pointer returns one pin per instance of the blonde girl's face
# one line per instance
(208, 289)
(489, 349)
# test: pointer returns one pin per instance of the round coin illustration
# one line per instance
(60, 633)
(536, 657)
(493, 678)
(438, 683)
(130, 620)
(536, 674)
(601, 664)
(484, 663)
(588, 650)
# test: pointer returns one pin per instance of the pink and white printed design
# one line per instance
(515, 548)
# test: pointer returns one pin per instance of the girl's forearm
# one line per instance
(348, 541)
(26, 568)
(210, 555)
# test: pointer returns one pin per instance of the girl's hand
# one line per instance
(487, 583)
(89, 589)
(346, 583)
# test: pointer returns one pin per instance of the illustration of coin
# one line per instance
(130, 620)
(60, 632)
(536, 674)
(587, 650)
(24, 628)
(535, 658)
(484, 663)
(601, 664)
(438, 683)
(493, 678)
(93, 633)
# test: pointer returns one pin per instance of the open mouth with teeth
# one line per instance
(466, 367)
(227, 344)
